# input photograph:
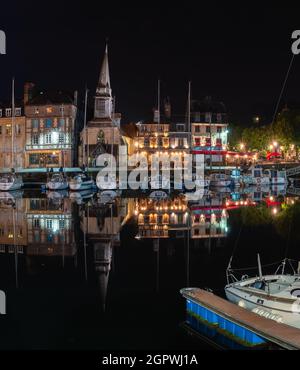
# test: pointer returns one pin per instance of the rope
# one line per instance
(255, 267)
(282, 89)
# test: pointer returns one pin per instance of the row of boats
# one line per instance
(256, 176)
(58, 181)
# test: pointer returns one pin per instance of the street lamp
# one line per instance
(242, 146)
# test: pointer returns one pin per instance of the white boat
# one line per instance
(81, 182)
(258, 177)
(220, 180)
(158, 194)
(107, 196)
(57, 182)
(277, 177)
(10, 182)
(81, 196)
(276, 297)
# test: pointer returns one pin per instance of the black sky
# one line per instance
(234, 52)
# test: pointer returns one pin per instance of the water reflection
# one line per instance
(84, 234)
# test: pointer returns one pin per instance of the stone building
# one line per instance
(12, 136)
(102, 132)
(209, 125)
(50, 130)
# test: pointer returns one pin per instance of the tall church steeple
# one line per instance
(103, 98)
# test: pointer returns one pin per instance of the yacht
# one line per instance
(57, 182)
(259, 177)
(220, 180)
(276, 297)
(10, 181)
(81, 182)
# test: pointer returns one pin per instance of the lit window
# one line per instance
(35, 139)
(49, 224)
(36, 111)
(61, 122)
(18, 112)
(48, 138)
(49, 110)
(8, 130)
(35, 123)
(8, 112)
(61, 138)
(48, 123)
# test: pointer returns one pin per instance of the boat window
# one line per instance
(259, 285)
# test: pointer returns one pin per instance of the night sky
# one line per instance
(238, 54)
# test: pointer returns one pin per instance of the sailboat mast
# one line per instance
(259, 267)
(189, 116)
(84, 142)
(12, 123)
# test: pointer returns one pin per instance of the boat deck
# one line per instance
(283, 335)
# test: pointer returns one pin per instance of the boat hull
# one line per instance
(81, 186)
(57, 186)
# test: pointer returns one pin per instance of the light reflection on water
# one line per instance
(90, 272)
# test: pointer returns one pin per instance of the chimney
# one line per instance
(28, 90)
(167, 107)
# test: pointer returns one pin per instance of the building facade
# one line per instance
(50, 130)
(102, 132)
(12, 137)
(209, 128)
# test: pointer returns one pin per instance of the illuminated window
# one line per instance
(36, 111)
(61, 138)
(61, 122)
(18, 129)
(34, 123)
(48, 138)
(18, 112)
(35, 139)
(48, 123)
(36, 223)
(49, 110)
(8, 112)
(49, 224)
(8, 130)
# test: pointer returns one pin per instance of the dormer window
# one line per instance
(18, 112)
(8, 112)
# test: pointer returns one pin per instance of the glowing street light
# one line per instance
(242, 146)
(275, 144)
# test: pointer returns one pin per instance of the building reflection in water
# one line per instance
(41, 228)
